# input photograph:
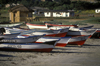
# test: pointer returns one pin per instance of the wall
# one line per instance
(97, 11)
(56, 14)
(11, 15)
(47, 14)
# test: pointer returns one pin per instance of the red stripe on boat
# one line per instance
(38, 42)
(98, 31)
(90, 36)
(61, 44)
(25, 35)
(53, 35)
(77, 42)
(61, 34)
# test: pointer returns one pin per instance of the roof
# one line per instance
(56, 11)
(38, 8)
(20, 8)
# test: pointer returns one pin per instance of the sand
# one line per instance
(71, 55)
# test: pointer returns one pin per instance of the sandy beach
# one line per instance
(71, 55)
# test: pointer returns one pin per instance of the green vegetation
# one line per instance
(91, 20)
(80, 7)
(85, 12)
(55, 5)
(4, 17)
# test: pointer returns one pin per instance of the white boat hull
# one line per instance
(57, 25)
(61, 43)
(79, 40)
(81, 33)
(21, 40)
(9, 35)
(10, 25)
(32, 26)
(53, 33)
(27, 47)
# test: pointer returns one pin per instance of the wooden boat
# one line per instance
(11, 25)
(29, 39)
(87, 27)
(61, 43)
(32, 26)
(57, 33)
(47, 26)
(79, 40)
(37, 47)
(57, 25)
(80, 28)
(81, 33)
(70, 28)
(96, 34)
(13, 35)
(13, 30)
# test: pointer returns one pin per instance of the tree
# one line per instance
(98, 0)
(36, 2)
(25, 2)
(3, 2)
(64, 2)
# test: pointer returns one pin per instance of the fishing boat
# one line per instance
(80, 28)
(60, 25)
(29, 39)
(32, 26)
(96, 34)
(70, 28)
(11, 25)
(47, 26)
(13, 35)
(36, 47)
(87, 27)
(61, 43)
(79, 40)
(74, 33)
(13, 30)
(57, 33)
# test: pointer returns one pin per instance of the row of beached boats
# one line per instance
(17, 39)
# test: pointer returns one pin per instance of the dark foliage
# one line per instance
(55, 5)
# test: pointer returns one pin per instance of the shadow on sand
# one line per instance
(62, 48)
(91, 45)
(3, 55)
(71, 52)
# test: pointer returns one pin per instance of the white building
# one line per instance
(57, 13)
(97, 10)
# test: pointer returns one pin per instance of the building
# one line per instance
(56, 13)
(20, 13)
(97, 10)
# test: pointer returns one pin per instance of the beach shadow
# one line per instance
(4, 60)
(3, 55)
(61, 48)
(73, 46)
(91, 45)
(71, 52)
